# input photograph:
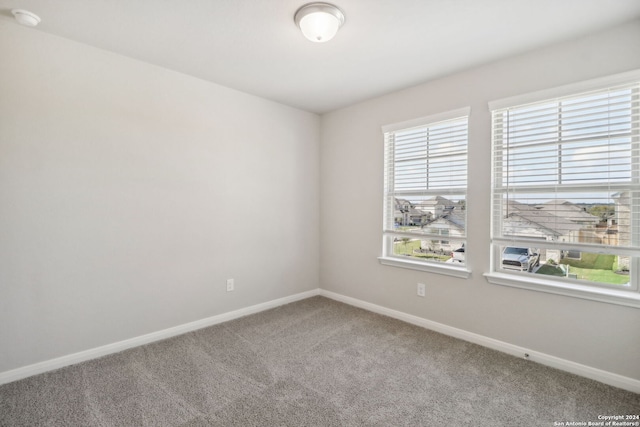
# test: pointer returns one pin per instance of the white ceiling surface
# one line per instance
(385, 45)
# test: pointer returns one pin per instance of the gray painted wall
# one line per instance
(130, 193)
(596, 334)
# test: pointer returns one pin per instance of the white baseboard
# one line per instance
(71, 359)
(605, 377)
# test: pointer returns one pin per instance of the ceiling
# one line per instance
(385, 45)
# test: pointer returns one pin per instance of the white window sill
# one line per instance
(611, 296)
(446, 269)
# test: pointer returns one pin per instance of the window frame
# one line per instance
(387, 257)
(559, 285)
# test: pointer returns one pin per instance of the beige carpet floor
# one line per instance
(315, 362)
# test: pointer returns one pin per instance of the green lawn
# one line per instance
(589, 260)
(550, 270)
(595, 268)
(407, 248)
(592, 267)
(599, 276)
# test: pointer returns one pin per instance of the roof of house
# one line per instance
(559, 221)
(455, 217)
(560, 225)
(412, 210)
(569, 210)
(435, 201)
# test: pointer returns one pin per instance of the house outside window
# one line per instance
(566, 190)
(425, 193)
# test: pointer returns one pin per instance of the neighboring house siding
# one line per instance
(406, 214)
(516, 225)
(446, 228)
(623, 221)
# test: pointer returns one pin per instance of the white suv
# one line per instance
(458, 255)
(520, 259)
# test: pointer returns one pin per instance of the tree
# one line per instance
(603, 212)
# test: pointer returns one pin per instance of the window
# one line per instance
(566, 190)
(425, 193)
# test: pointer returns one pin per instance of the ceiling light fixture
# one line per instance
(25, 17)
(319, 22)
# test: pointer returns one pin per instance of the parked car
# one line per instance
(458, 255)
(520, 259)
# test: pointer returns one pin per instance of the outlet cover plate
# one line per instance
(421, 290)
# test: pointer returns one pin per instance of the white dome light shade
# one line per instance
(319, 26)
(25, 17)
(319, 22)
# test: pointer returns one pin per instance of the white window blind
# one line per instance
(425, 187)
(566, 181)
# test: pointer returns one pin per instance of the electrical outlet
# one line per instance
(230, 285)
(421, 290)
